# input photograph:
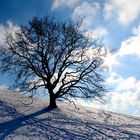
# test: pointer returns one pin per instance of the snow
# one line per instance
(19, 121)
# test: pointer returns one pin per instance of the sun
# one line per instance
(110, 60)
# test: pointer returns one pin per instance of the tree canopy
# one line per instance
(55, 56)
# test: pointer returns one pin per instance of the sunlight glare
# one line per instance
(110, 60)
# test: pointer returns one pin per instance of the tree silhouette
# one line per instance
(55, 56)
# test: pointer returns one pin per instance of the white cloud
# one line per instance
(114, 78)
(125, 95)
(136, 30)
(2, 35)
(61, 3)
(125, 10)
(97, 33)
(87, 11)
(131, 46)
(125, 98)
(128, 84)
(4, 29)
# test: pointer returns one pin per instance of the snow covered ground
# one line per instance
(35, 122)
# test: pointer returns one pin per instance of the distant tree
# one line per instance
(55, 56)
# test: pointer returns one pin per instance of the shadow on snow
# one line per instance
(57, 125)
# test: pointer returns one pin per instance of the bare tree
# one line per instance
(54, 56)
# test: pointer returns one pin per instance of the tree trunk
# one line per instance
(52, 103)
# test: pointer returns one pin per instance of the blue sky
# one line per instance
(117, 21)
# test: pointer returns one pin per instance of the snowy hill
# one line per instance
(35, 122)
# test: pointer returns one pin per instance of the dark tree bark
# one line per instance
(52, 103)
(57, 57)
